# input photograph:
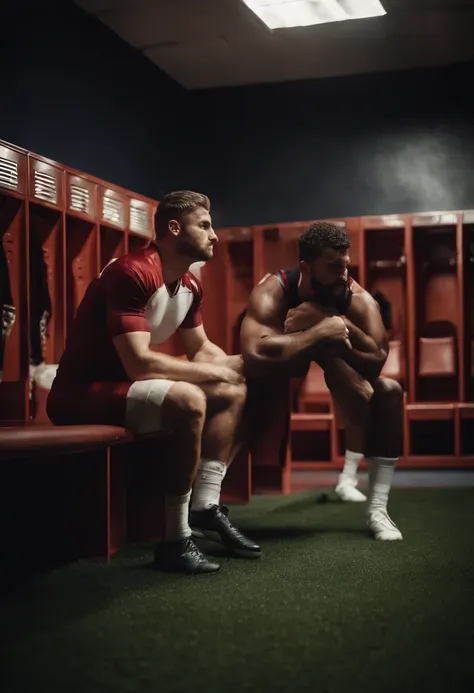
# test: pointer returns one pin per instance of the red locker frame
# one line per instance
(112, 234)
(436, 381)
(78, 223)
(14, 209)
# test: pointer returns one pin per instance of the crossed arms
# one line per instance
(275, 341)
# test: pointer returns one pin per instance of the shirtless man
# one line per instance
(317, 312)
(112, 372)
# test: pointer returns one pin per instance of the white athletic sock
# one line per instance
(176, 517)
(207, 486)
(351, 464)
(381, 470)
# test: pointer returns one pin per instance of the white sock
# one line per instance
(381, 470)
(207, 486)
(176, 517)
(351, 463)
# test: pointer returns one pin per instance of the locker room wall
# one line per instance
(76, 93)
(375, 144)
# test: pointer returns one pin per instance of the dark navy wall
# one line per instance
(399, 142)
(75, 92)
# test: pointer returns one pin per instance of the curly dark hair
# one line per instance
(319, 236)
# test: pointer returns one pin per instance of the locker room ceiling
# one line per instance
(214, 43)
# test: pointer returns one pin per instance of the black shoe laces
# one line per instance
(191, 549)
(223, 510)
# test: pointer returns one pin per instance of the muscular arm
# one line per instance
(359, 340)
(126, 293)
(368, 337)
(208, 352)
(308, 314)
(141, 363)
(265, 349)
(198, 347)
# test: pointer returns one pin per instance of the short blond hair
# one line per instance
(176, 205)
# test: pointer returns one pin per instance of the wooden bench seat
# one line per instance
(85, 491)
(32, 440)
(82, 492)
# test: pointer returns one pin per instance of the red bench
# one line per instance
(39, 440)
(100, 487)
(78, 476)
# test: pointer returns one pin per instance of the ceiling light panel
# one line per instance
(284, 14)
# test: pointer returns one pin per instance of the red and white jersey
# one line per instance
(128, 296)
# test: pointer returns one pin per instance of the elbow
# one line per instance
(258, 363)
(136, 369)
(381, 361)
(375, 368)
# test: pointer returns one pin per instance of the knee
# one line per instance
(187, 401)
(364, 392)
(240, 395)
(360, 403)
(360, 395)
(231, 396)
(389, 391)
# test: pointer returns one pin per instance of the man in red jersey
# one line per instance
(111, 372)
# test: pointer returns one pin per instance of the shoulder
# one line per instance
(363, 305)
(288, 278)
(134, 277)
(268, 300)
(272, 285)
(142, 267)
(193, 284)
(362, 298)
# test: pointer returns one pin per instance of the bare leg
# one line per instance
(377, 429)
(385, 434)
(352, 399)
(350, 390)
(224, 427)
(384, 446)
(354, 438)
(182, 413)
(221, 437)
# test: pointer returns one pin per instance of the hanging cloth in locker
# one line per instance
(7, 309)
(385, 309)
(40, 302)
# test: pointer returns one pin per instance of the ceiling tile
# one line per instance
(221, 43)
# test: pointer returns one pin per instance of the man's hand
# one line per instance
(334, 332)
(305, 316)
(236, 363)
(225, 374)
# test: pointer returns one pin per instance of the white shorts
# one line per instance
(143, 408)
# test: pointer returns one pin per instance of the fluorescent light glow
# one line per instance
(278, 14)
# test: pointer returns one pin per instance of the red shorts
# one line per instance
(92, 403)
(134, 405)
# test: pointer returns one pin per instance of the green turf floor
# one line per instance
(326, 609)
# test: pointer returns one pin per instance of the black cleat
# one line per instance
(182, 557)
(213, 524)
